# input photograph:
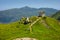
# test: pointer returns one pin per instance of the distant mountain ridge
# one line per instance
(11, 15)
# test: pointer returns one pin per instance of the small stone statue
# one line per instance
(41, 14)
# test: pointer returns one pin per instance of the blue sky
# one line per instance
(9, 4)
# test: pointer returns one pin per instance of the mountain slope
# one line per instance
(56, 15)
(12, 15)
(39, 30)
(49, 11)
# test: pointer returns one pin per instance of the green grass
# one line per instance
(40, 31)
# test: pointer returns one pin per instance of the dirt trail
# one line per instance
(33, 24)
(48, 26)
(45, 24)
(42, 21)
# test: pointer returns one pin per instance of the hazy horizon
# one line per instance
(9, 4)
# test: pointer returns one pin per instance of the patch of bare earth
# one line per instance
(25, 39)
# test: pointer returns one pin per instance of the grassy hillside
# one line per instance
(44, 29)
